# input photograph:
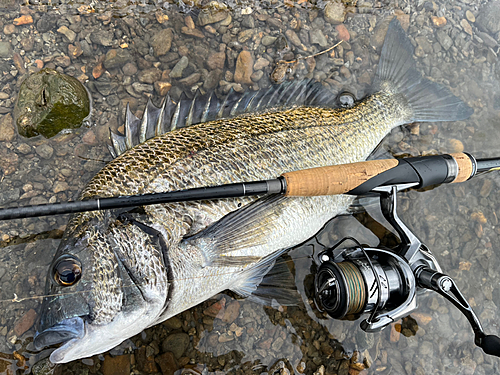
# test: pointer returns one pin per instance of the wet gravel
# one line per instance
(129, 51)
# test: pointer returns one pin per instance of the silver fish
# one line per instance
(119, 272)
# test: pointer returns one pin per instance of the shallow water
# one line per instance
(458, 222)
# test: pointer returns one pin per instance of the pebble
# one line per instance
(162, 88)
(23, 20)
(179, 67)
(192, 32)
(438, 21)
(335, 12)
(102, 37)
(60, 186)
(7, 129)
(261, 63)
(25, 322)
(116, 58)
(470, 16)
(343, 32)
(167, 363)
(162, 42)
(119, 365)
(5, 50)
(190, 80)
(9, 29)
(216, 310)
(267, 40)
(44, 151)
(316, 36)
(443, 38)
(231, 313)
(176, 343)
(68, 33)
(467, 27)
(244, 68)
(149, 75)
(216, 60)
(488, 16)
(211, 16)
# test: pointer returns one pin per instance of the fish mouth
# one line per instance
(65, 332)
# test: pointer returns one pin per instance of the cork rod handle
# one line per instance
(335, 179)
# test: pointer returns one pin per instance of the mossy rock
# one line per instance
(49, 102)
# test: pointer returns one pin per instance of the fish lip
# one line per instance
(64, 332)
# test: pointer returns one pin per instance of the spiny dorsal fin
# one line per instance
(209, 107)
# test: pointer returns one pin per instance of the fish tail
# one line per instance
(397, 73)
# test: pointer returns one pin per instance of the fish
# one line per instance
(117, 272)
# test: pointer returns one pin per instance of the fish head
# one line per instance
(102, 287)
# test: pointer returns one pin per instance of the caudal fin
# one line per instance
(397, 72)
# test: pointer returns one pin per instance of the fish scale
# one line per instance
(143, 265)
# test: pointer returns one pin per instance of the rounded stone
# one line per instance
(176, 343)
(49, 102)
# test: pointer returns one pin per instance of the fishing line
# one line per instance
(22, 299)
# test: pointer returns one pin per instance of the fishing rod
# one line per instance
(355, 178)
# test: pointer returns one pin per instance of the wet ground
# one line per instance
(125, 52)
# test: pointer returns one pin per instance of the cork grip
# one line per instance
(465, 166)
(335, 179)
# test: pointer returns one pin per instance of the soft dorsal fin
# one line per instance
(209, 107)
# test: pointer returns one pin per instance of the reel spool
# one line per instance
(348, 289)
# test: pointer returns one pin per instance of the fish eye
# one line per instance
(346, 99)
(67, 271)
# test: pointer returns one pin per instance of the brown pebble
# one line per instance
(232, 312)
(421, 318)
(98, 70)
(216, 310)
(192, 32)
(343, 32)
(479, 217)
(464, 265)
(438, 21)
(162, 88)
(467, 27)
(244, 68)
(454, 145)
(25, 323)
(160, 17)
(23, 20)
(470, 16)
(75, 50)
(39, 63)
(167, 363)
(486, 188)
(89, 138)
(9, 29)
(395, 334)
(119, 365)
(189, 22)
(7, 129)
(19, 62)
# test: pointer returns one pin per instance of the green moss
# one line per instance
(49, 102)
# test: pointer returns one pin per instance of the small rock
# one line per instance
(44, 151)
(116, 58)
(142, 87)
(488, 16)
(129, 69)
(119, 365)
(335, 12)
(23, 20)
(244, 68)
(343, 32)
(216, 60)
(438, 21)
(102, 37)
(189, 22)
(9, 29)
(7, 129)
(162, 42)
(212, 79)
(190, 80)
(244, 35)
(24, 148)
(470, 16)
(5, 50)
(25, 322)
(192, 32)
(167, 363)
(162, 88)
(216, 310)
(60, 186)
(176, 343)
(443, 39)
(68, 33)
(294, 38)
(89, 138)
(467, 27)
(260, 63)
(149, 75)
(75, 50)
(267, 40)
(232, 312)
(209, 16)
(454, 145)
(172, 323)
(316, 37)
(47, 22)
(179, 67)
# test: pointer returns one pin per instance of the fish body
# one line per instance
(119, 272)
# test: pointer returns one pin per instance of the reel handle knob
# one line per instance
(491, 345)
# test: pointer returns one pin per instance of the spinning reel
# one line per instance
(383, 283)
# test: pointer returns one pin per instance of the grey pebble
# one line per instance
(317, 37)
(176, 343)
(5, 49)
(443, 38)
(141, 87)
(267, 40)
(102, 37)
(129, 69)
(9, 195)
(44, 151)
(149, 75)
(117, 58)
(489, 16)
(105, 88)
(179, 67)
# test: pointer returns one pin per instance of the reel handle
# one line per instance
(444, 285)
